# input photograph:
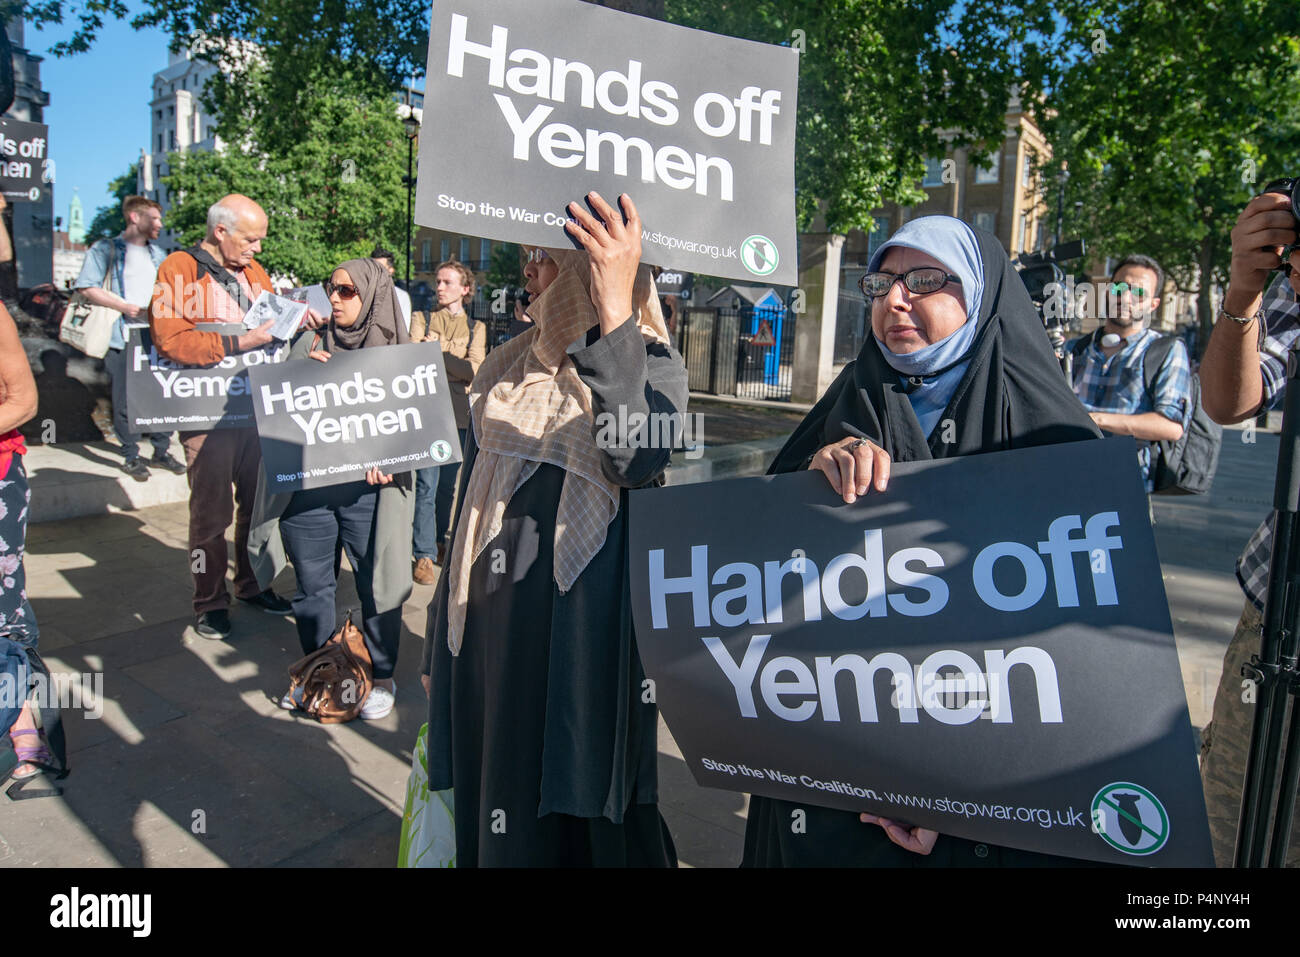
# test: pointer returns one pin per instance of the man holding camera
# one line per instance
(1110, 375)
(1243, 373)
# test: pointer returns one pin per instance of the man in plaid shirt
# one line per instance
(1242, 374)
(1109, 377)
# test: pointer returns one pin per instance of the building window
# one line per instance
(987, 174)
(1025, 225)
(464, 250)
(987, 222)
(171, 138)
(1027, 171)
(933, 173)
(485, 250)
(160, 146)
(444, 251)
(182, 83)
(426, 254)
(879, 233)
(158, 113)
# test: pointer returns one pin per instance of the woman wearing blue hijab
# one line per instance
(958, 363)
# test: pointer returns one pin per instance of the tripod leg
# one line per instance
(1266, 728)
(1286, 799)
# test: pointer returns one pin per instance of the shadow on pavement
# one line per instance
(191, 761)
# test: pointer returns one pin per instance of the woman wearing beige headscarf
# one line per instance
(537, 713)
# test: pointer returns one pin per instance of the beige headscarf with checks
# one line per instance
(528, 405)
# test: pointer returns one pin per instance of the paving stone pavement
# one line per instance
(193, 764)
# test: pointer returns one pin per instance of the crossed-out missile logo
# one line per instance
(759, 255)
(440, 451)
(1130, 818)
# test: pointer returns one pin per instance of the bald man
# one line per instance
(216, 281)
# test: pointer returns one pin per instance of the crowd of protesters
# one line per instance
(534, 680)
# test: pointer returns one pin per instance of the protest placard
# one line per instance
(555, 98)
(162, 395)
(323, 423)
(25, 169)
(984, 649)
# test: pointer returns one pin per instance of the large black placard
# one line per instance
(984, 649)
(162, 395)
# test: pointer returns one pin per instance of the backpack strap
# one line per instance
(1079, 347)
(1158, 350)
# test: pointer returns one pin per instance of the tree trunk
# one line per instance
(1204, 313)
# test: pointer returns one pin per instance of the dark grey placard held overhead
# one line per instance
(534, 103)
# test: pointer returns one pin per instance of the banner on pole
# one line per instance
(26, 170)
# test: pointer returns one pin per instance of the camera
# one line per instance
(1288, 188)
(1045, 281)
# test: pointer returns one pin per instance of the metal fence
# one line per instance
(727, 351)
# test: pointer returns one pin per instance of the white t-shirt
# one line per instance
(404, 303)
(138, 275)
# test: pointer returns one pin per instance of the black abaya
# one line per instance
(1013, 395)
(540, 724)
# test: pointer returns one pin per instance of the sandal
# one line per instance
(37, 757)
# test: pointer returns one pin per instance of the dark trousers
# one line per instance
(315, 521)
(115, 364)
(435, 489)
(218, 460)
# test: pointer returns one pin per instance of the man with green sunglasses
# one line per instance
(1109, 366)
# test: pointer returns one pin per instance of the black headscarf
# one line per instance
(1012, 396)
(380, 322)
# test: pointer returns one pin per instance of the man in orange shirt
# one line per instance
(216, 281)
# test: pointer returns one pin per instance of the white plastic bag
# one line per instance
(428, 820)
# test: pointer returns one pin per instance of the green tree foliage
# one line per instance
(331, 195)
(506, 268)
(108, 220)
(882, 85)
(1170, 117)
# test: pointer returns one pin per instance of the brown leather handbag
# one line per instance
(335, 678)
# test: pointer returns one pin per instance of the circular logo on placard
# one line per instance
(1130, 818)
(34, 193)
(758, 254)
(440, 451)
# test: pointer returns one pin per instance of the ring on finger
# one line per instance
(857, 444)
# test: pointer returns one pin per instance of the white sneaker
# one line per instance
(378, 703)
(292, 702)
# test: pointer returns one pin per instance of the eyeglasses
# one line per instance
(343, 289)
(537, 255)
(1119, 288)
(919, 281)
